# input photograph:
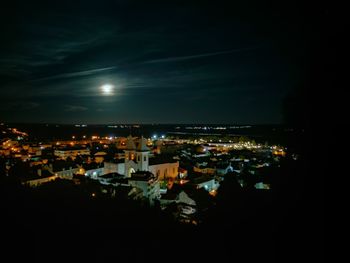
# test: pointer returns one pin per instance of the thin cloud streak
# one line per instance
(76, 74)
(183, 58)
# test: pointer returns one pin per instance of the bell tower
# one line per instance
(130, 157)
(142, 155)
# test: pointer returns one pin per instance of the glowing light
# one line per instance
(107, 89)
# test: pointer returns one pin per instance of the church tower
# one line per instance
(142, 155)
(130, 157)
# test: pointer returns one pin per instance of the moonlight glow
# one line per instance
(107, 89)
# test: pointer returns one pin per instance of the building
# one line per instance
(139, 170)
(137, 158)
(44, 177)
(206, 182)
(117, 166)
(148, 183)
(223, 168)
(92, 170)
(63, 169)
(108, 178)
(164, 168)
(71, 152)
(100, 156)
(204, 169)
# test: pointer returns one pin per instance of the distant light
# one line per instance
(154, 136)
(107, 89)
(163, 136)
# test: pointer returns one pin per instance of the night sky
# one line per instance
(169, 61)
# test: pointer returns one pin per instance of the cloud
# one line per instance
(76, 74)
(182, 58)
(75, 108)
(20, 106)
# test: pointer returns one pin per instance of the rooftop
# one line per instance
(111, 176)
(170, 195)
(142, 176)
(159, 159)
(119, 180)
(202, 179)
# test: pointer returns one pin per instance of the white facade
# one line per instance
(94, 173)
(114, 168)
(39, 181)
(136, 158)
(150, 188)
(142, 160)
(67, 174)
(165, 170)
(209, 185)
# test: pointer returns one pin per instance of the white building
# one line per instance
(137, 170)
(70, 152)
(148, 183)
(118, 167)
(67, 174)
(206, 182)
(39, 181)
(137, 158)
(92, 173)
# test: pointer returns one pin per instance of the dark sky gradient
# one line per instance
(170, 61)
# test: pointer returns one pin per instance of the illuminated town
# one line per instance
(162, 170)
(161, 130)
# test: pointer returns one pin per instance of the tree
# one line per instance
(2, 167)
(229, 188)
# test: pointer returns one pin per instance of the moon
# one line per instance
(107, 89)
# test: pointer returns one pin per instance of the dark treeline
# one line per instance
(62, 220)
